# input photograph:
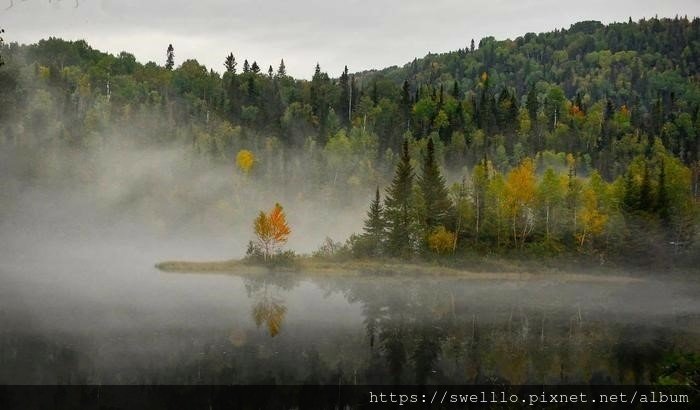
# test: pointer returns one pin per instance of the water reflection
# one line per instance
(371, 330)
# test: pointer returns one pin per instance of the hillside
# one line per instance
(619, 103)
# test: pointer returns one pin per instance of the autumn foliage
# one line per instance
(245, 160)
(271, 230)
(441, 241)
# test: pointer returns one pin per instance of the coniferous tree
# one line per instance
(270, 72)
(436, 201)
(398, 208)
(455, 90)
(630, 198)
(375, 228)
(230, 64)
(246, 66)
(406, 104)
(255, 68)
(170, 58)
(662, 200)
(645, 201)
(532, 105)
(282, 69)
(344, 102)
(2, 62)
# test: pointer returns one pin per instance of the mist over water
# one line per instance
(80, 302)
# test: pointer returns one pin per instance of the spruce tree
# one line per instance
(645, 200)
(455, 90)
(630, 199)
(282, 69)
(434, 193)
(170, 58)
(532, 105)
(2, 62)
(344, 102)
(246, 66)
(398, 208)
(374, 225)
(662, 201)
(230, 64)
(406, 104)
(255, 68)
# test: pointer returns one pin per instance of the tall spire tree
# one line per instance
(375, 227)
(230, 64)
(436, 201)
(170, 58)
(344, 102)
(282, 69)
(398, 208)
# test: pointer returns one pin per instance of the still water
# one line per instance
(80, 313)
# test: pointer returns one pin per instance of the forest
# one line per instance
(577, 141)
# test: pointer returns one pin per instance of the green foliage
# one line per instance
(437, 207)
(375, 226)
(399, 208)
(621, 99)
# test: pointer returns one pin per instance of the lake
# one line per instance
(81, 310)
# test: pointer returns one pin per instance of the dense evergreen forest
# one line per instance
(578, 140)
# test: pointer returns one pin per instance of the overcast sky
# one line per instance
(363, 34)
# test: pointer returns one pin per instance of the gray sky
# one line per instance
(363, 34)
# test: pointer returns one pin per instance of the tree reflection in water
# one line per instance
(369, 330)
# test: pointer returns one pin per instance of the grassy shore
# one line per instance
(484, 269)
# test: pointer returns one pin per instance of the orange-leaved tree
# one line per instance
(271, 230)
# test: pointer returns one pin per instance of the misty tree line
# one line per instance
(641, 214)
(603, 98)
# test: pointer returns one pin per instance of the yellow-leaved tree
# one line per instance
(441, 241)
(271, 230)
(592, 219)
(520, 190)
(245, 160)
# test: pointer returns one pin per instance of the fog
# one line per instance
(80, 300)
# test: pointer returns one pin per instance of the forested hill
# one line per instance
(577, 90)
(603, 93)
(578, 137)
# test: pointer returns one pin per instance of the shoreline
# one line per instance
(310, 267)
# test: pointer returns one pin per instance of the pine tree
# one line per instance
(246, 66)
(282, 69)
(2, 62)
(662, 201)
(406, 103)
(170, 59)
(398, 208)
(645, 201)
(344, 102)
(532, 105)
(375, 93)
(270, 72)
(255, 68)
(375, 228)
(230, 64)
(455, 90)
(630, 199)
(472, 47)
(438, 207)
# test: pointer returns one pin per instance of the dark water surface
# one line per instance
(77, 312)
